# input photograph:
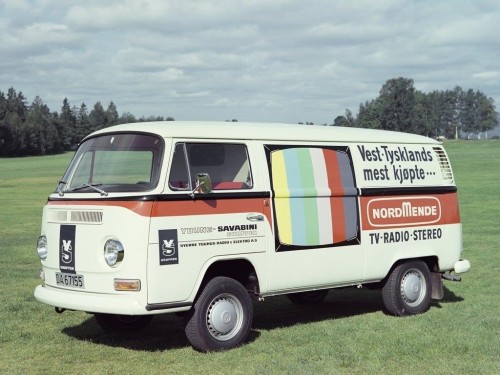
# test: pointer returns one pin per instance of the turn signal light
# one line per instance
(127, 285)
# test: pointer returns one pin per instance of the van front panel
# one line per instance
(77, 232)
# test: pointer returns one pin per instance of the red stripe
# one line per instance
(211, 207)
(336, 202)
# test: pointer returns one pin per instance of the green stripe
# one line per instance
(310, 203)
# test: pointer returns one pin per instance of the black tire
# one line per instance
(221, 317)
(308, 298)
(122, 323)
(407, 290)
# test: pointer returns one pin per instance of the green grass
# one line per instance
(348, 334)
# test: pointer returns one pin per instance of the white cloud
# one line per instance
(493, 74)
(283, 60)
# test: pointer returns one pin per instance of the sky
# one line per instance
(261, 60)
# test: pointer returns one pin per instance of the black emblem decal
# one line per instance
(168, 246)
(67, 248)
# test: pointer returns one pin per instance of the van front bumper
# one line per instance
(122, 304)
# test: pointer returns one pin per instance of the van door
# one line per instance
(317, 227)
(211, 212)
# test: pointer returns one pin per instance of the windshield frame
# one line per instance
(131, 141)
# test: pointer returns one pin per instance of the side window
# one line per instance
(227, 165)
(315, 196)
(179, 172)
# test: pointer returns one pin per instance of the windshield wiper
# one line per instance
(61, 182)
(92, 186)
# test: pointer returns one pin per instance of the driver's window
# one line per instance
(226, 164)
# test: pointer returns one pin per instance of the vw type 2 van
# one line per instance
(201, 218)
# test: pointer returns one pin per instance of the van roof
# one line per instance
(265, 131)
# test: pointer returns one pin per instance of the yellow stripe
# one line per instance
(282, 202)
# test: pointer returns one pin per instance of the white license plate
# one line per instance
(70, 280)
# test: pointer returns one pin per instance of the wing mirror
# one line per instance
(203, 184)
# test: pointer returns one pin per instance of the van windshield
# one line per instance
(114, 163)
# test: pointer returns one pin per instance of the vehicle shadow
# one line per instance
(166, 331)
(449, 297)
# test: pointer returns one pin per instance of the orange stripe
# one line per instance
(181, 208)
(336, 203)
(211, 207)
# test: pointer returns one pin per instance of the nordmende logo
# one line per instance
(392, 212)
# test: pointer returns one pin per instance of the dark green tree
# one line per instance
(369, 114)
(421, 123)
(82, 124)
(127, 118)
(40, 133)
(112, 117)
(396, 100)
(488, 118)
(97, 117)
(67, 125)
(13, 110)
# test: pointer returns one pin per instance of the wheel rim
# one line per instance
(224, 317)
(413, 287)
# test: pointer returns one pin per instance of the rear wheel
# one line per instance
(308, 298)
(221, 317)
(407, 290)
(122, 323)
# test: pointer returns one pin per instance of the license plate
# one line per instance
(70, 280)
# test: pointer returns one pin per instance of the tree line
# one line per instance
(33, 129)
(401, 107)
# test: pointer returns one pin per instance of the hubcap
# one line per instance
(224, 317)
(413, 287)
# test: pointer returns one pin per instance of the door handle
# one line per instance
(255, 217)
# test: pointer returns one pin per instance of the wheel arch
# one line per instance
(239, 269)
(432, 262)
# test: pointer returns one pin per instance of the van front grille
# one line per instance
(86, 217)
(78, 217)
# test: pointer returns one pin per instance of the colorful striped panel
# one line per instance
(314, 199)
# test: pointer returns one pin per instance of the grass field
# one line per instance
(348, 334)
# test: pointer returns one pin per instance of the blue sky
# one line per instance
(271, 61)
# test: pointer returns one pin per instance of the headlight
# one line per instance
(41, 247)
(113, 252)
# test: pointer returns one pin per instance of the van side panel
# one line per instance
(345, 214)
(410, 226)
(316, 217)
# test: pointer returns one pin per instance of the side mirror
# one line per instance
(203, 184)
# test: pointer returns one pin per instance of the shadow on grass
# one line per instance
(449, 297)
(166, 331)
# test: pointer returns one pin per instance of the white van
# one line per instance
(200, 218)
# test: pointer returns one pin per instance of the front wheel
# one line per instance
(221, 317)
(407, 290)
(122, 323)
